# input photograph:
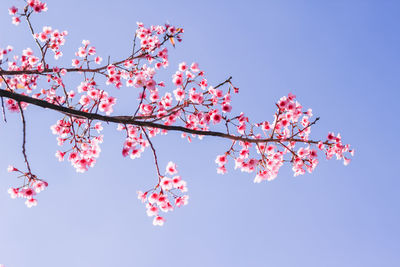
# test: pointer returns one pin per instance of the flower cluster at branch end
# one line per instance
(35, 6)
(291, 127)
(165, 196)
(31, 187)
(85, 145)
(53, 39)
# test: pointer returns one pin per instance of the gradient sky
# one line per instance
(341, 58)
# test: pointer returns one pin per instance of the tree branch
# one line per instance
(137, 122)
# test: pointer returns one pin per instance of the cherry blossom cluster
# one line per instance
(150, 37)
(84, 52)
(5, 51)
(12, 105)
(20, 82)
(291, 126)
(93, 98)
(32, 186)
(27, 61)
(143, 77)
(34, 5)
(135, 142)
(191, 96)
(53, 39)
(85, 146)
(166, 195)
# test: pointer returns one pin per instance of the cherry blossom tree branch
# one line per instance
(256, 147)
(126, 120)
(48, 70)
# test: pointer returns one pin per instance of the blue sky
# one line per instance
(341, 58)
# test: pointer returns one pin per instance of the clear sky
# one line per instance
(341, 58)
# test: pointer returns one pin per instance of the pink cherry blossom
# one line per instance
(182, 201)
(31, 202)
(98, 60)
(16, 20)
(166, 183)
(14, 192)
(151, 210)
(75, 62)
(60, 155)
(221, 160)
(142, 196)
(183, 67)
(194, 67)
(171, 168)
(39, 186)
(158, 220)
(12, 10)
(11, 168)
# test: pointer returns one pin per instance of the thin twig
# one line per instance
(24, 138)
(154, 152)
(134, 45)
(224, 82)
(141, 101)
(314, 122)
(36, 40)
(3, 110)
